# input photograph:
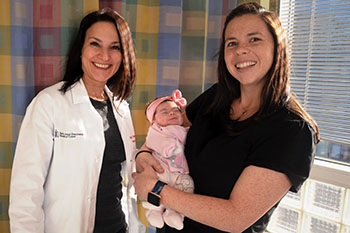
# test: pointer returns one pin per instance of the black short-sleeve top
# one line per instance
(283, 142)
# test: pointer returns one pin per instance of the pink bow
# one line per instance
(176, 96)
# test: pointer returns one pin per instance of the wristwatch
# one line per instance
(154, 196)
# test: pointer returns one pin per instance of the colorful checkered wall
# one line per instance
(176, 42)
(34, 38)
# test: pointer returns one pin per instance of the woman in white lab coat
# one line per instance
(76, 144)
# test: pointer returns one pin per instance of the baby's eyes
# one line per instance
(175, 110)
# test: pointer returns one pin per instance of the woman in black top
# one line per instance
(250, 141)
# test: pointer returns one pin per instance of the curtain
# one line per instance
(320, 62)
(175, 40)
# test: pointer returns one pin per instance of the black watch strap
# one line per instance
(154, 196)
(158, 187)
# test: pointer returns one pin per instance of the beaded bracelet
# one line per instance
(140, 151)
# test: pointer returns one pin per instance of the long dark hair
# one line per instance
(276, 90)
(122, 82)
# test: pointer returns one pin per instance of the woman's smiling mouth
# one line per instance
(245, 64)
(101, 65)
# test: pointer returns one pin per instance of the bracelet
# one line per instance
(140, 151)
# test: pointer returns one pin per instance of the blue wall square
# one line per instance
(169, 46)
(215, 7)
(22, 40)
(21, 97)
(162, 90)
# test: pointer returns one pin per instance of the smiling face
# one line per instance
(101, 53)
(249, 49)
(168, 113)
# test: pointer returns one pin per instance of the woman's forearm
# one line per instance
(214, 212)
(256, 191)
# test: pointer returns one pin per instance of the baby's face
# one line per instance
(168, 113)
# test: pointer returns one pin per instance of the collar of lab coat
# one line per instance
(80, 95)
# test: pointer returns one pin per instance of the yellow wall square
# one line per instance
(5, 12)
(5, 226)
(140, 122)
(90, 5)
(5, 176)
(5, 128)
(146, 71)
(146, 18)
(5, 67)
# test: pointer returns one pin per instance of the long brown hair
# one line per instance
(276, 92)
(122, 82)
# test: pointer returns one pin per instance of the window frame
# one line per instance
(324, 170)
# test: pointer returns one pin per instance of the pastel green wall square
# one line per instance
(5, 40)
(192, 48)
(4, 204)
(72, 12)
(67, 35)
(194, 5)
(190, 92)
(5, 154)
(5, 99)
(130, 15)
(142, 94)
(146, 45)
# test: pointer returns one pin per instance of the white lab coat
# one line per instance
(57, 163)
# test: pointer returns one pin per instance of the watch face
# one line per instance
(153, 198)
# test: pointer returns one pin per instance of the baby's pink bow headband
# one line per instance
(176, 96)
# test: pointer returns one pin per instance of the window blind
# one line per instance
(319, 39)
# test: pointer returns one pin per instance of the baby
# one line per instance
(166, 137)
